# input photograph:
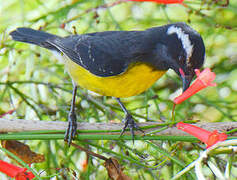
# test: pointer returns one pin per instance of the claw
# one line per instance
(72, 128)
(72, 119)
(130, 123)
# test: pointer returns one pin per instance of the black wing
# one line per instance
(103, 54)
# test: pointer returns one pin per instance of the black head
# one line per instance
(180, 48)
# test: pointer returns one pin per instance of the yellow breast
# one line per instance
(138, 78)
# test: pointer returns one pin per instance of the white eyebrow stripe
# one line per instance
(186, 43)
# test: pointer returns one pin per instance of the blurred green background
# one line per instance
(34, 83)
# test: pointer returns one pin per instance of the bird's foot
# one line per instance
(72, 128)
(131, 124)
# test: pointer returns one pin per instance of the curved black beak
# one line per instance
(186, 81)
(185, 78)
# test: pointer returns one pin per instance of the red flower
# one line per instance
(15, 172)
(208, 137)
(204, 79)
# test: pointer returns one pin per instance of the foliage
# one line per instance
(33, 82)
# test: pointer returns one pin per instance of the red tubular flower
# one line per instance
(208, 137)
(204, 79)
(15, 171)
(25, 176)
(163, 1)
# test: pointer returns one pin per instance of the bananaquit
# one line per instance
(122, 63)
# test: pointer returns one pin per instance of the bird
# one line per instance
(121, 64)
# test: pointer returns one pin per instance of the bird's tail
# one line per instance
(32, 36)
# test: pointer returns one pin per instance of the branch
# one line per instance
(20, 125)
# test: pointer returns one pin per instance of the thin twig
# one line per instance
(89, 152)
(104, 6)
(21, 125)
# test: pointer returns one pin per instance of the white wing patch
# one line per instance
(188, 47)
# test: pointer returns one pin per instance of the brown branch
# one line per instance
(20, 125)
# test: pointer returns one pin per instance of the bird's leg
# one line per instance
(128, 120)
(72, 119)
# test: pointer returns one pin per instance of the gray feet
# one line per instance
(72, 119)
(131, 125)
(72, 128)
